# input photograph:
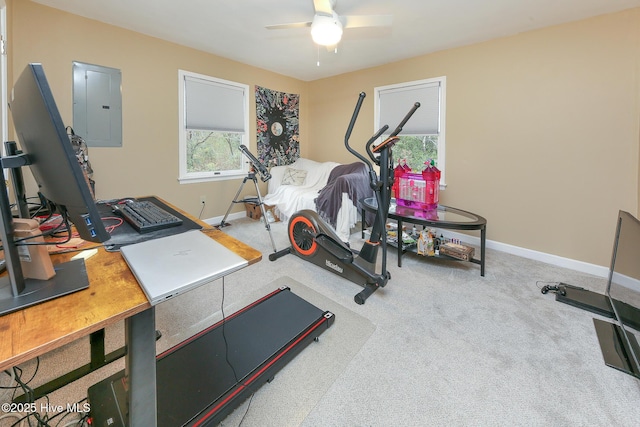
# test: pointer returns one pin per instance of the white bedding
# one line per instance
(288, 199)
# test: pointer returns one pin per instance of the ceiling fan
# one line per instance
(327, 25)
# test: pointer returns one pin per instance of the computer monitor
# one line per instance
(48, 152)
(43, 138)
(619, 341)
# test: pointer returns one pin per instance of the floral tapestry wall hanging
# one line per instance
(277, 114)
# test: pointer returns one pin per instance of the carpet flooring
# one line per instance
(438, 346)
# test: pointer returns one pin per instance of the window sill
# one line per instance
(221, 177)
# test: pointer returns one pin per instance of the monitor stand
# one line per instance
(70, 277)
(16, 291)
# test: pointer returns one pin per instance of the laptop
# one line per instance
(168, 266)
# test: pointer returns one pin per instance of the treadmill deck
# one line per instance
(204, 378)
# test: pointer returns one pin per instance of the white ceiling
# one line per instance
(235, 29)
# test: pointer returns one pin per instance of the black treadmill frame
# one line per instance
(108, 397)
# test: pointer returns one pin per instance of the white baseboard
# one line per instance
(584, 267)
(216, 220)
(572, 264)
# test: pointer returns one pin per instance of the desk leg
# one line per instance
(483, 239)
(141, 368)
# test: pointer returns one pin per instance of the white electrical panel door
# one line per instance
(97, 105)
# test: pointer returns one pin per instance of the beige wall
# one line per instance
(147, 163)
(542, 128)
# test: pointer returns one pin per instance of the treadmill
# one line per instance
(204, 378)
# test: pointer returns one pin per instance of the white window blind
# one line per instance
(395, 103)
(213, 106)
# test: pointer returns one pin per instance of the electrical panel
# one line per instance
(97, 104)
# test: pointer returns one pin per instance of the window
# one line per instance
(422, 138)
(214, 122)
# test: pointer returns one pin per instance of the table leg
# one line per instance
(483, 238)
(98, 360)
(399, 236)
(141, 368)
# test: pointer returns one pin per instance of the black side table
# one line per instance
(444, 217)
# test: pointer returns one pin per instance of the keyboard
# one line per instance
(145, 216)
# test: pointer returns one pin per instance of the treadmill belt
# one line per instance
(202, 379)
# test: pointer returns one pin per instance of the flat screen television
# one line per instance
(619, 340)
(46, 149)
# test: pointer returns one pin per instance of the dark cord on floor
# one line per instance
(226, 346)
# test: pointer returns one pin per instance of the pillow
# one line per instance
(293, 176)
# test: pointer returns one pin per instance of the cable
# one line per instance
(43, 420)
(35, 371)
(12, 384)
(40, 208)
(77, 422)
(224, 336)
(111, 228)
(201, 210)
(20, 417)
(226, 355)
(52, 232)
(247, 411)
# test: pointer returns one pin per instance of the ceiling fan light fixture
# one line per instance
(326, 30)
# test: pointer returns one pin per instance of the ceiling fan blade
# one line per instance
(357, 21)
(324, 7)
(287, 26)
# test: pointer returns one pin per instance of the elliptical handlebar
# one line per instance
(395, 132)
(354, 116)
(405, 120)
(352, 122)
(347, 135)
(372, 140)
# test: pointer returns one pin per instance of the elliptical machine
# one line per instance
(313, 240)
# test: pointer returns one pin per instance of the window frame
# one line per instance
(185, 177)
(442, 82)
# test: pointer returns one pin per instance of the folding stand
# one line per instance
(584, 299)
(250, 176)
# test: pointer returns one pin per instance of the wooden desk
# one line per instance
(113, 295)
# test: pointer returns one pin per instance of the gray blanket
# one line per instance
(352, 179)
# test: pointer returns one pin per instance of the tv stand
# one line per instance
(582, 298)
(617, 353)
(596, 303)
